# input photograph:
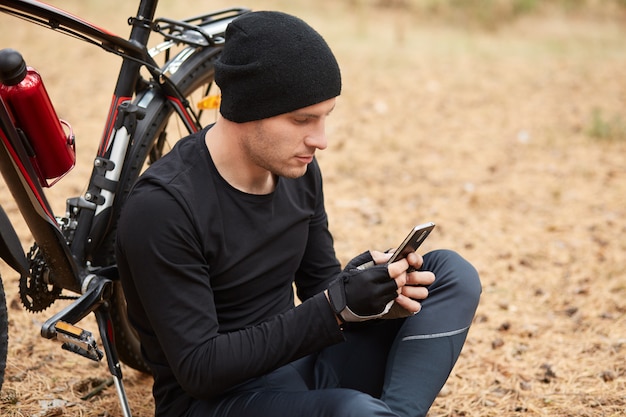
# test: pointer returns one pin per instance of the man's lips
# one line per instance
(307, 159)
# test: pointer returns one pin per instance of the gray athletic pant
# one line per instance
(391, 368)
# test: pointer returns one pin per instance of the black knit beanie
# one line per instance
(273, 63)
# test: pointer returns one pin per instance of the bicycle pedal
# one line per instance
(77, 340)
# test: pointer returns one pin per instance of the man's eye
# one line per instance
(300, 121)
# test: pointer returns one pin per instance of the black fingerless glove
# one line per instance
(362, 292)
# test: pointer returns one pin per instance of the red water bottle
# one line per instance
(24, 93)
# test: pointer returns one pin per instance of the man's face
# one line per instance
(285, 144)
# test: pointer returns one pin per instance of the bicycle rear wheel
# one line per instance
(4, 333)
(193, 74)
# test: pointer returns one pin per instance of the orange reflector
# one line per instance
(209, 103)
(68, 328)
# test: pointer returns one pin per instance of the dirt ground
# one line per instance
(512, 139)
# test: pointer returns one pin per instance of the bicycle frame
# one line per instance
(94, 215)
(68, 259)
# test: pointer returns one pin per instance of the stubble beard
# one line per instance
(260, 152)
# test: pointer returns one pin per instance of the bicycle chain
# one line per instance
(35, 293)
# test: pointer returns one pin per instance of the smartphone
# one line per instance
(413, 241)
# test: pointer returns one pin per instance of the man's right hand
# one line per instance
(359, 294)
(362, 294)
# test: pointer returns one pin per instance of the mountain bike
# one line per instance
(162, 93)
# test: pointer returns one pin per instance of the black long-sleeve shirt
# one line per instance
(208, 271)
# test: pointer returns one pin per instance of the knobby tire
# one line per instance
(4, 333)
(197, 73)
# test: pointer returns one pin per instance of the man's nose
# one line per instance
(317, 138)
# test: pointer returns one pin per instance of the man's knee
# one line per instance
(454, 274)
